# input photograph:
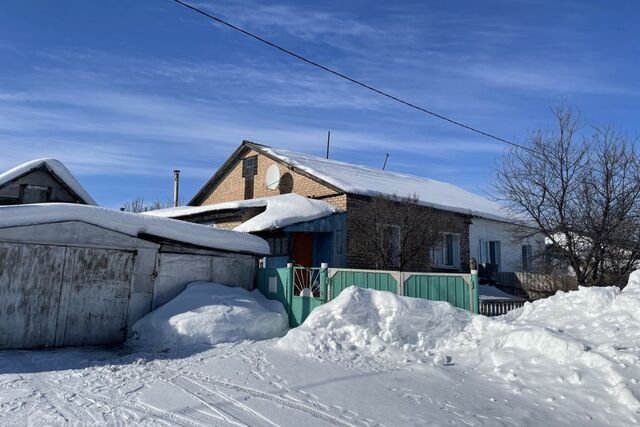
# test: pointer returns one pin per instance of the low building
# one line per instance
(307, 231)
(72, 274)
(41, 181)
(475, 226)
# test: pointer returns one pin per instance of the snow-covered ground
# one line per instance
(367, 358)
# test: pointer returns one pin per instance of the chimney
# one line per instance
(176, 187)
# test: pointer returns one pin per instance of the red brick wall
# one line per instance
(232, 185)
(357, 257)
(231, 188)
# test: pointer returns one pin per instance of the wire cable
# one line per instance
(350, 79)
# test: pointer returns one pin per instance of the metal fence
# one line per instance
(497, 307)
(302, 289)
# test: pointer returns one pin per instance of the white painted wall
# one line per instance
(511, 247)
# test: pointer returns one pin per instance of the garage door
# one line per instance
(56, 295)
(30, 281)
(96, 290)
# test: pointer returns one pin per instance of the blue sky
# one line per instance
(124, 92)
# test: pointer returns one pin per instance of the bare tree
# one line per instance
(397, 233)
(581, 190)
(138, 205)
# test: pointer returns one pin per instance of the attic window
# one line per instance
(34, 194)
(250, 166)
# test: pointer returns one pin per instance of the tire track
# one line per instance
(317, 413)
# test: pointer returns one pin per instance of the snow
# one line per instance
(133, 224)
(280, 211)
(368, 181)
(572, 359)
(54, 166)
(205, 314)
(366, 323)
(491, 292)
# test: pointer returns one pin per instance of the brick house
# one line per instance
(353, 189)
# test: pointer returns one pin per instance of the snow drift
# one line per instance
(588, 338)
(206, 314)
(570, 347)
(364, 322)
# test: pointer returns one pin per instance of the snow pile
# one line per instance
(374, 182)
(206, 314)
(55, 167)
(586, 341)
(364, 322)
(280, 211)
(133, 224)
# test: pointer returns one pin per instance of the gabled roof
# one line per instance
(366, 181)
(56, 169)
(133, 224)
(280, 211)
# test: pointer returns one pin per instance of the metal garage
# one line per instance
(82, 275)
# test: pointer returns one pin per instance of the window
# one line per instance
(279, 245)
(490, 252)
(250, 166)
(249, 170)
(248, 188)
(34, 194)
(447, 253)
(390, 240)
(527, 257)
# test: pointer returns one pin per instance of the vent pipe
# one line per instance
(176, 187)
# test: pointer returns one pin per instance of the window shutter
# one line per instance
(498, 255)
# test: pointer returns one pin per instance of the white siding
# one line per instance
(510, 246)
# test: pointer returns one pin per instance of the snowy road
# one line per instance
(251, 384)
(366, 358)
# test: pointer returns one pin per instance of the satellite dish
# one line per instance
(272, 178)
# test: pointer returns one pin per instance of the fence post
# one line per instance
(323, 280)
(473, 303)
(289, 289)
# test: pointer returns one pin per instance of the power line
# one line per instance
(350, 79)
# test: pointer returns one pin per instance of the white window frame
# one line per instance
(485, 252)
(439, 253)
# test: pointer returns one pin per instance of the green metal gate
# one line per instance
(299, 289)
(302, 289)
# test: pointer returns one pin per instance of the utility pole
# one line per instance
(328, 142)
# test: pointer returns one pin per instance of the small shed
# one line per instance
(82, 275)
(41, 181)
(301, 230)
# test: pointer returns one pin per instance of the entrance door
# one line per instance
(303, 249)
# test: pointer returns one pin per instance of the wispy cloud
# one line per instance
(302, 22)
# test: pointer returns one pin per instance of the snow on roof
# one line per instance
(367, 181)
(132, 224)
(281, 211)
(57, 168)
